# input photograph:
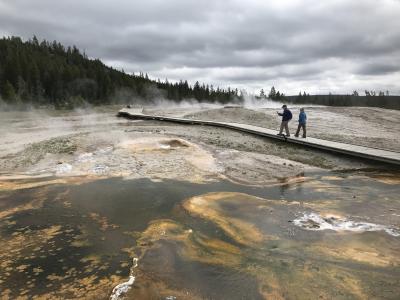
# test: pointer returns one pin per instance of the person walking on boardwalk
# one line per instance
(302, 123)
(286, 117)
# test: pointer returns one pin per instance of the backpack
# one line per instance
(290, 115)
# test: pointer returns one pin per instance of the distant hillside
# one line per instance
(46, 73)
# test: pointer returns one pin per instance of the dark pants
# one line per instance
(298, 130)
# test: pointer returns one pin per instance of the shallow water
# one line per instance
(80, 238)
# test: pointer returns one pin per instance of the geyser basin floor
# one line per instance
(70, 236)
(193, 241)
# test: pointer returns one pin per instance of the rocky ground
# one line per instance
(96, 142)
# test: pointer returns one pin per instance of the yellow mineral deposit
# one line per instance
(35, 203)
(324, 206)
(163, 229)
(170, 158)
(331, 178)
(146, 144)
(358, 250)
(287, 278)
(194, 246)
(209, 207)
(38, 195)
(321, 186)
(190, 246)
(81, 240)
(12, 184)
(90, 287)
(17, 246)
(279, 277)
(387, 179)
(102, 221)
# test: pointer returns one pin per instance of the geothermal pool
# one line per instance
(322, 236)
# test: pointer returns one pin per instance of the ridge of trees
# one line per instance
(371, 99)
(273, 94)
(47, 73)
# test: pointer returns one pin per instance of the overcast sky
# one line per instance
(320, 46)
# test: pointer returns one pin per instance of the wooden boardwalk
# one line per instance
(374, 154)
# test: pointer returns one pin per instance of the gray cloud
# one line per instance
(310, 44)
(379, 67)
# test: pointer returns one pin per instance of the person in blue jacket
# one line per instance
(286, 117)
(302, 123)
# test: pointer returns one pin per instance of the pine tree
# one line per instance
(272, 93)
(8, 92)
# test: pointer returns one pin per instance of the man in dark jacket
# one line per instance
(286, 117)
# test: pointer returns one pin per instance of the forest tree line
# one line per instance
(371, 99)
(47, 73)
